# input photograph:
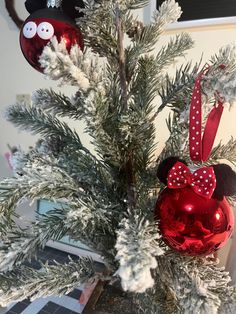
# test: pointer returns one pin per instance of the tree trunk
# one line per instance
(110, 299)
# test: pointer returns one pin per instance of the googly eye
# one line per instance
(45, 30)
(29, 29)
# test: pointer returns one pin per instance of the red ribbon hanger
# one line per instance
(200, 145)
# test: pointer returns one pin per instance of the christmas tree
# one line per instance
(108, 195)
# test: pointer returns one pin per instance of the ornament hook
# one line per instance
(54, 3)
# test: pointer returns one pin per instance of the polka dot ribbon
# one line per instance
(202, 181)
(200, 146)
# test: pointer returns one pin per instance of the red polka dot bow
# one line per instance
(202, 181)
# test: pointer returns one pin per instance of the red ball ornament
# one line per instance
(40, 27)
(191, 224)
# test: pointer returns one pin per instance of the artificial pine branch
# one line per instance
(128, 168)
(21, 245)
(145, 41)
(58, 104)
(144, 85)
(226, 57)
(121, 58)
(91, 180)
(137, 246)
(58, 64)
(85, 208)
(36, 183)
(183, 80)
(24, 282)
(98, 28)
(176, 47)
(174, 91)
(198, 285)
(224, 151)
(188, 285)
(37, 121)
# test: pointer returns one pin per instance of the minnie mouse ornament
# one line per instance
(194, 216)
(49, 18)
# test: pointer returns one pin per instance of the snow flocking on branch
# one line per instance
(225, 85)
(8, 259)
(58, 64)
(79, 68)
(29, 283)
(81, 213)
(169, 12)
(195, 297)
(137, 245)
(220, 80)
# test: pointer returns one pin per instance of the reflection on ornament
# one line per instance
(192, 224)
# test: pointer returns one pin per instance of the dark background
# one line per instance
(205, 9)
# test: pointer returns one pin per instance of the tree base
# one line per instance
(110, 299)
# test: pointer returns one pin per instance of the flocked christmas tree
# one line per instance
(108, 196)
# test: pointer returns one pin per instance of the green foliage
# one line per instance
(176, 92)
(37, 121)
(225, 151)
(57, 103)
(26, 282)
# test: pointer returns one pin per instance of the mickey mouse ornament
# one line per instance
(47, 19)
(194, 215)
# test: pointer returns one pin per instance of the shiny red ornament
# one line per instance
(191, 224)
(40, 27)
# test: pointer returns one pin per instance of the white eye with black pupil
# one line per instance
(29, 29)
(45, 30)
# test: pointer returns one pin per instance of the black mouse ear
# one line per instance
(35, 5)
(225, 181)
(165, 166)
(69, 8)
